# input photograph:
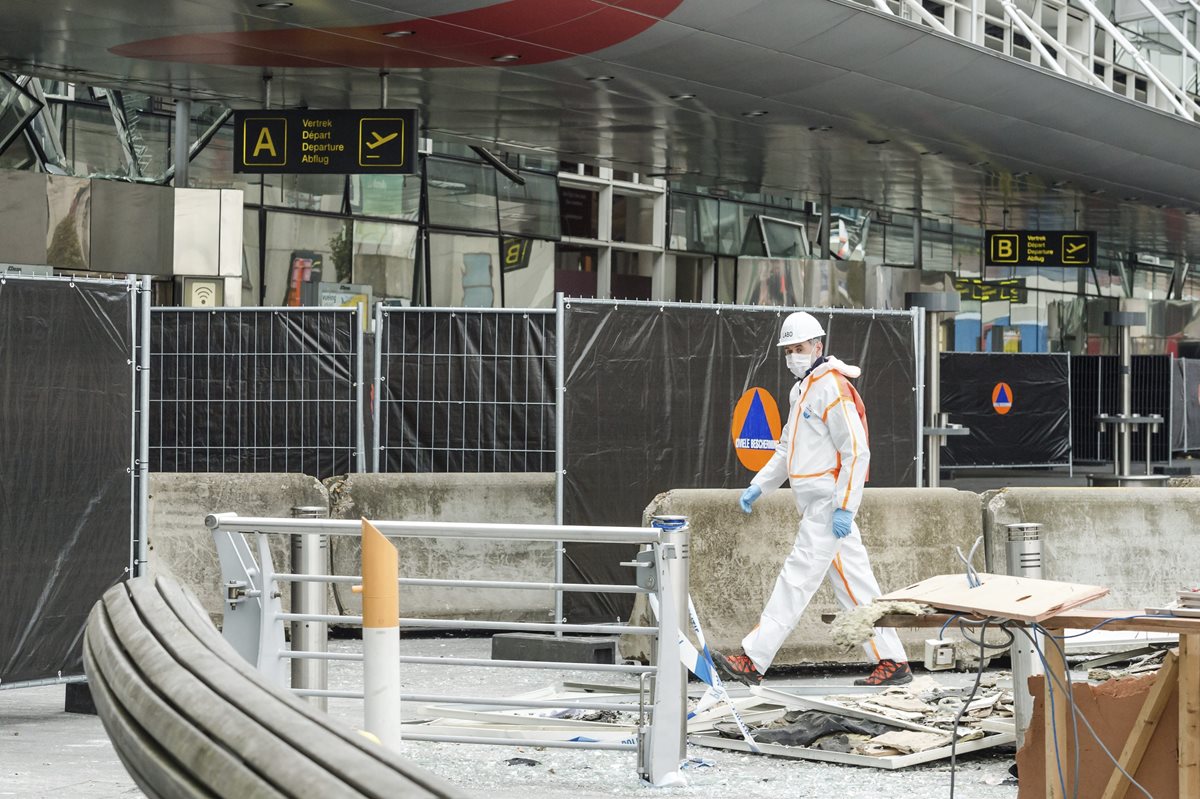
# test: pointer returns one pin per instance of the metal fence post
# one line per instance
(1024, 550)
(310, 555)
(666, 747)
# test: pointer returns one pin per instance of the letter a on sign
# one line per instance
(264, 141)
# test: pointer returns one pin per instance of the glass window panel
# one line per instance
(250, 253)
(785, 240)
(631, 275)
(461, 194)
(579, 212)
(633, 219)
(531, 283)
(212, 168)
(575, 270)
(91, 141)
(899, 247)
(1027, 321)
(731, 227)
(301, 249)
(726, 280)
(693, 223)
(17, 108)
(768, 281)
(530, 210)
(690, 278)
(464, 271)
(939, 252)
(391, 196)
(305, 192)
(385, 258)
(18, 155)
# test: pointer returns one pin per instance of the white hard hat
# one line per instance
(798, 327)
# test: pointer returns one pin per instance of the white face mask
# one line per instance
(798, 363)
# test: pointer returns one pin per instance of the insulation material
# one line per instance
(853, 627)
(66, 452)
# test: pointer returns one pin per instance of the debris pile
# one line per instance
(892, 728)
(917, 719)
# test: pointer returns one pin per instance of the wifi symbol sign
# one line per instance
(204, 295)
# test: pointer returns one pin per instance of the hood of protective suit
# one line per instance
(831, 364)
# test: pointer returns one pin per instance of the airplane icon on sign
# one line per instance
(378, 140)
(382, 142)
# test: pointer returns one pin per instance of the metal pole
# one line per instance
(1024, 560)
(933, 378)
(310, 555)
(377, 395)
(143, 496)
(381, 637)
(383, 88)
(1126, 436)
(183, 140)
(560, 458)
(665, 748)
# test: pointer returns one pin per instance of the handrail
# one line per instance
(254, 618)
(233, 523)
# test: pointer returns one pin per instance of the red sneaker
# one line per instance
(888, 672)
(738, 667)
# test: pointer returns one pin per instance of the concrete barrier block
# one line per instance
(910, 534)
(182, 548)
(1139, 542)
(493, 498)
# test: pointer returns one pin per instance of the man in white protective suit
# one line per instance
(823, 451)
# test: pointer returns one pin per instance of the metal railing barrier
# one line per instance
(254, 619)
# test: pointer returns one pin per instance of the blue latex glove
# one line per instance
(748, 496)
(841, 522)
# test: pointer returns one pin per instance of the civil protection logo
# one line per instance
(1002, 398)
(755, 428)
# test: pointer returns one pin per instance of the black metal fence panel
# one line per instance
(1016, 405)
(1087, 379)
(1096, 390)
(465, 390)
(256, 390)
(1151, 391)
(67, 451)
(1189, 394)
(650, 398)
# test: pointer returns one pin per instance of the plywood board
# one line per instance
(885, 762)
(1020, 598)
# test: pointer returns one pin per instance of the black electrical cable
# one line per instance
(1053, 679)
(983, 647)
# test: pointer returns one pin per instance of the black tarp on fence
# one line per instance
(1096, 389)
(66, 460)
(256, 390)
(465, 390)
(650, 394)
(1185, 405)
(1016, 405)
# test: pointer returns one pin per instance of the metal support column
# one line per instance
(937, 428)
(310, 555)
(666, 746)
(182, 140)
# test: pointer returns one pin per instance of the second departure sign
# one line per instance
(382, 141)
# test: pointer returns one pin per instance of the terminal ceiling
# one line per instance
(878, 112)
